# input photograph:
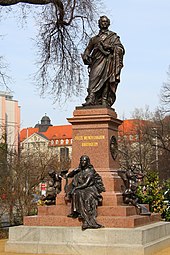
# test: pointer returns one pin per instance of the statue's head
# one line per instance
(104, 22)
(84, 161)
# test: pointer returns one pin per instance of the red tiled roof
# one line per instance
(131, 126)
(53, 132)
(26, 132)
(65, 131)
(59, 132)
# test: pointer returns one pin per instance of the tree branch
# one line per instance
(13, 2)
(63, 29)
(57, 3)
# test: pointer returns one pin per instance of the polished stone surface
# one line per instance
(93, 128)
(164, 251)
(145, 240)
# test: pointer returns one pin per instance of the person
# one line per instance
(85, 193)
(104, 57)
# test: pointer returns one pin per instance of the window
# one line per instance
(64, 154)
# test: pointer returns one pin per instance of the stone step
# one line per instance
(109, 198)
(116, 210)
(112, 198)
(145, 240)
(64, 210)
(51, 220)
(127, 222)
(107, 221)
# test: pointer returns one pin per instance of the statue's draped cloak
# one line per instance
(105, 64)
(85, 199)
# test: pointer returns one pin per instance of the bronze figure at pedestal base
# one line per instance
(85, 193)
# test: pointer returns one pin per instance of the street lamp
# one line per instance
(156, 147)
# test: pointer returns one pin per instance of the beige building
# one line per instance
(44, 137)
(9, 121)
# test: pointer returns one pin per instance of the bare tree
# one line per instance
(64, 26)
(158, 134)
(158, 131)
(4, 78)
(134, 147)
(165, 93)
(20, 179)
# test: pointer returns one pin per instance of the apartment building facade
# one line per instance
(9, 121)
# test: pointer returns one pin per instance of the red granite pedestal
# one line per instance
(93, 129)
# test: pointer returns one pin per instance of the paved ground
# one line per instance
(2, 252)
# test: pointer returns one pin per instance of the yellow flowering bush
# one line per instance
(152, 192)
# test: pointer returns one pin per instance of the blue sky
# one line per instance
(143, 26)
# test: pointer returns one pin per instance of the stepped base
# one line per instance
(108, 216)
(109, 198)
(106, 221)
(64, 210)
(146, 240)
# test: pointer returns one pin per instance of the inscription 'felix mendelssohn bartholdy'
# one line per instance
(89, 137)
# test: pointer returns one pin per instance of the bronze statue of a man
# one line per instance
(104, 57)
